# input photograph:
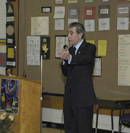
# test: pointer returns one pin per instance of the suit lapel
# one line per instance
(78, 52)
(81, 48)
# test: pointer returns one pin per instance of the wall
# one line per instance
(106, 85)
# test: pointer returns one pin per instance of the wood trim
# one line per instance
(57, 103)
(16, 21)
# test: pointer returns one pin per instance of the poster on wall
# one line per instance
(97, 67)
(123, 17)
(9, 96)
(124, 60)
(104, 17)
(40, 25)
(45, 47)
(10, 30)
(73, 14)
(11, 56)
(33, 50)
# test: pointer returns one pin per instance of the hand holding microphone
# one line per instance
(65, 46)
(64, 53)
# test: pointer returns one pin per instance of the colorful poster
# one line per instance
(9, 97)
(2, 41)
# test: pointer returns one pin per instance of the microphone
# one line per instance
(64, 47)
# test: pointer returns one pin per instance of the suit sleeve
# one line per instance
(64, 68)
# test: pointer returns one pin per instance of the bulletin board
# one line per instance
(8, 36)
(54, 81)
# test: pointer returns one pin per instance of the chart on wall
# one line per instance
(33, 50)
(124, 60)
(9, 95)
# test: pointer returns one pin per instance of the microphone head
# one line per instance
(64, 47)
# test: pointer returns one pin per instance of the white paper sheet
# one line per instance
(97, 67)
(123, 23)
(89, 25)
(2, 71)
(33, 50)
(59, 12)
(59, 24)
(2, 48)
(40, 26)
(104, 24)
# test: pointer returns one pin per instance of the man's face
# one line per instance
(73, 37)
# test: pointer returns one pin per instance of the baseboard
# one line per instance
(61, 127)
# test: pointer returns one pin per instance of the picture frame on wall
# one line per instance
(45, 47)
(97, 72)
(60, 41)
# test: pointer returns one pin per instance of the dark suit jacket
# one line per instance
(79, 91)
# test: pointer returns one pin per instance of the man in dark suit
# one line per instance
(79, 96)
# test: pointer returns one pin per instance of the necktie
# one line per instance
(73, 51)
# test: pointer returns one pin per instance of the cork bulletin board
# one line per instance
(106, 84)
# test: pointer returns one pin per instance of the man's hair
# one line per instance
(79, 28)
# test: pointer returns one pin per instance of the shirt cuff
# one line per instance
(63, 62)
(69, 61)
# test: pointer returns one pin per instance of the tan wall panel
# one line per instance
(106, 85)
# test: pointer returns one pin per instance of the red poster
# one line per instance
(89, 12)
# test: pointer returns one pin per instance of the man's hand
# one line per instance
(64, 54)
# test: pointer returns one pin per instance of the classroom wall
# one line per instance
(107, 84)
